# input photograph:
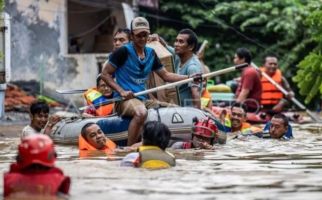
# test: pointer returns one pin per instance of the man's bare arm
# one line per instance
(170, 77)
(243, 95)
(195, 97)
(107, 73)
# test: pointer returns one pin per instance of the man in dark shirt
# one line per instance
(132, 64)
(250, 88)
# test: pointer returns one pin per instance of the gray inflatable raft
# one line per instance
(178, 119)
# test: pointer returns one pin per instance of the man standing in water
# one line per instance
(131, 65)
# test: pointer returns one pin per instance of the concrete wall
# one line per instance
(39, 48)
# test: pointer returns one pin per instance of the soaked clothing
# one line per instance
(182, 145)
(149, 157)
(250, 79)
(265, 133)
(36, 182)
(132, 72)
(85, 149)
(190, 67)
(28, 130)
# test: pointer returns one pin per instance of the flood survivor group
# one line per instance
(124, 74)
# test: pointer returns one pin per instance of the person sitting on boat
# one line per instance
(34, 175)
(152, 153)
(92, 140)
(40, 122)
(272, 98)
(132, 64)
(95, 96)
(250, 89)
(204, 135)
(277, 128)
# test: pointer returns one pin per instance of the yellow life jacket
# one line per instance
(152, 157)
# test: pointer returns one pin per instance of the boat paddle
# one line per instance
(71, 91)
(171, 85)
(295, 101)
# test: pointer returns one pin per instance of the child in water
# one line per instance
(152, 154)
(34, 174)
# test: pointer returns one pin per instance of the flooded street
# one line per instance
(250, 169)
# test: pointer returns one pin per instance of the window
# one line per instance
(91, 24)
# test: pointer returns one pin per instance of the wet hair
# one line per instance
(244, 53)
(39, 107)
(239, 105)
(157, 134)
(192, 39)
(83, 131)
(123, 30)
(283, 117)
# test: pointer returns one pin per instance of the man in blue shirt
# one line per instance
(277, 128)
(131, 64)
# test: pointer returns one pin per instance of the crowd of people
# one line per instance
(124, 74)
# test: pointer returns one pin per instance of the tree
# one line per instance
(264, 27)
(309, 74)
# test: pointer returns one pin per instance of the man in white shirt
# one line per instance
(40, 124)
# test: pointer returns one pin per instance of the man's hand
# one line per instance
(53, 120)
(197, 77)
(154, 37)
(127, 95)
(290, 95)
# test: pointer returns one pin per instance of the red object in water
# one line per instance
(36, 149)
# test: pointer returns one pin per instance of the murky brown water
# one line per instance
(251, 169)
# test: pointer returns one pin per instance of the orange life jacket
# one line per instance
(270, 94)
(93, 97)
(46, 183)
(205, 98)
(86, 150)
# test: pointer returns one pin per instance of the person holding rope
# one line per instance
(131, 64)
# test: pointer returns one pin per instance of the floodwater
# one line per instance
(249, 169)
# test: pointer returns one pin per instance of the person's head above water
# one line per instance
(121, 37)
(102, 87)
(238, 116)
(278, 126)
(93, 134)
(39, 112)
(156, 134)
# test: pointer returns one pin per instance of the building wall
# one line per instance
(39, 48)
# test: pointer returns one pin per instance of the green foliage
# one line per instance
(290, 29)
(309, 74)
(264, 27)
